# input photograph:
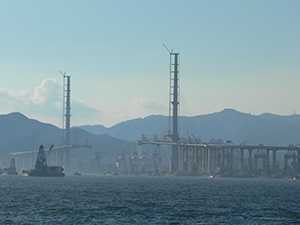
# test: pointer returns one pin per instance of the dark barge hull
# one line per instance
(48, 171)
(42, 174)
(41, 169)
(10, 173)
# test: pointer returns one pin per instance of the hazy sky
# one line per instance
(233, 54)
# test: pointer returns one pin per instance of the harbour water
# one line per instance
(91, 199)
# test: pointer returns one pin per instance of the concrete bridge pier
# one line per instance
(203, 160)
(67, 159)
(231, 161)
(222, 166)
(190, 159)
(274, 159)
(194, 167)
(242, 160)
(267, 160)
(298, 161)
(60, 158)
(184, 158)
(174, 164)
(227, 161)
(295, 159)
(208, 160)
(197, 159)
(250, 160)
(200, 160)
(215, 161)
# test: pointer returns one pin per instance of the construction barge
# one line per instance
(41, 168)
(11, 170)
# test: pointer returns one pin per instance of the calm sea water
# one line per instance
(148, 200)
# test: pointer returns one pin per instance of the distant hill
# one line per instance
(133, 129)
(20, 134)
(229, 124)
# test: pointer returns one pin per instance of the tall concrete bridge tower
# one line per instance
(66, 120)
(173, 109)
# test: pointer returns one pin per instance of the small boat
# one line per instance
(110, 173)
(41, 169)
(77, 174)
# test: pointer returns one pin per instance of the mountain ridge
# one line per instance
(228, 124)
(18, 133)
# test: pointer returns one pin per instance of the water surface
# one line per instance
(148, 200)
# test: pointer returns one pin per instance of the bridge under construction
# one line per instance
(60, 156)
(226, 159)
(185, 158)
(231, 160)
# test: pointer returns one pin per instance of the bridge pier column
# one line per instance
(268, 160)
(298, 161)
(208, 160)
(295, 160)
(200, 160)
(250, 160)
(197, 159)
(242, 161)
(60, 158)
(183, 158)
(181, 150)
(190, 160)
(194, 168)
(23, 161)
(67, 159)
(31, 161)
(274, 159)
(222, 166)
(231, 161)
(174, 159)
(191, 156)
(256, 158)
(203, 160)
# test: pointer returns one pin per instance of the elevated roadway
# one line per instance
(210, 158)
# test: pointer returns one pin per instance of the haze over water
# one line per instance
(99, 199)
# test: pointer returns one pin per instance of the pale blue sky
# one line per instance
(233, 54)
